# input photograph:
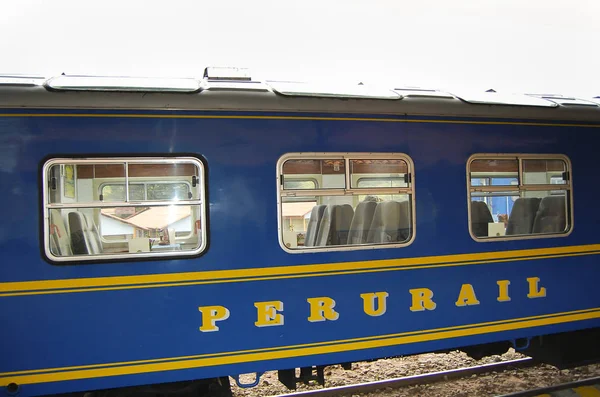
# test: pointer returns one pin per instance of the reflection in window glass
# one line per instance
(501, 207)
(136, 192)
(381, 182)
(543, 172)
(502, 171)
(170, 223)
(146, 191)
(374, 173)
(167, 191)
(328, 174)
(376, 211)
(494, 181)
(366, 183)
(298, 184)
(116, 192)
(328, 222)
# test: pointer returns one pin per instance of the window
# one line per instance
(519, 196)
(299, 183)
(383, 181)
(123, 208)
(146, 191)
(344, 201)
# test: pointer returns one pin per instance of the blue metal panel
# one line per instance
(58, 330)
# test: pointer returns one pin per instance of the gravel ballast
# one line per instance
(489, 384)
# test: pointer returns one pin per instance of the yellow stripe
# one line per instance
(177, 363)
(367, 338)
(283, 272)
(587, 391)
(278, 277)
(385, 120)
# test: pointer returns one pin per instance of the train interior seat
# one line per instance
(391, 222)
(59, 237)
(361, 222)
(77, 229)
(54, 245)
(480, 218)
(335, 225)
(93, 235)
(312, 229)
(85, 239)
(551, 215)
(522, 216)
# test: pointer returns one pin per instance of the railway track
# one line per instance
(414, 380)
(582, 388)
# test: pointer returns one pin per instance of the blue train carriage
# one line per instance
(170, 231)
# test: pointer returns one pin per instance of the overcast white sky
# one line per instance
(531, 46)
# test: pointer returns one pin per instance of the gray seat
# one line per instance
(361, 222)
(551, 215)
(480, 217)
(93, 235)
(312, 230)
(522, 216)
(78, 232)
(59, 237)
(391, 223)
(335, 225)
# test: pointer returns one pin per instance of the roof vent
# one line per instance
(227, 74)
(564, 100)
(407, 92)
(497, 98)
(333, 90)
(126, 84)
(21, 80)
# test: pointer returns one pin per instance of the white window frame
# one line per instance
(348, 190)
(47, 206)
(521, 187)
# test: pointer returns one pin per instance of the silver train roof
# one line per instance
(233, 89)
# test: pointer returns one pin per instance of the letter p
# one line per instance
(210, 316)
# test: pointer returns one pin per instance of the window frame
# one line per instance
(521, 187)
(348, 190)
(200, 203)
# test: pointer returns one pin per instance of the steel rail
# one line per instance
(555, 388)
(414, 379)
